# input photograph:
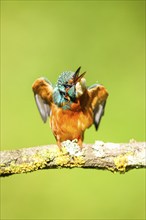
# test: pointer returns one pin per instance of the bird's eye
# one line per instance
(67, 85)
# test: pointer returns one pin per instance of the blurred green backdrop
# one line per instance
(44, 38)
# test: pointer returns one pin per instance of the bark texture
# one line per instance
(111, 156)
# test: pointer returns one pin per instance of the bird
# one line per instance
(71, 105)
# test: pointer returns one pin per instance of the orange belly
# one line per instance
(68, 124)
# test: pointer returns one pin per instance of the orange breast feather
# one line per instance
(71, 124)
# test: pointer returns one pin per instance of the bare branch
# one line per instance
(110, 156)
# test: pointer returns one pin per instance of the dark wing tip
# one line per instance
(98, 113)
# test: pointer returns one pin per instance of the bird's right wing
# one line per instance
(43, 91)
(98, 96)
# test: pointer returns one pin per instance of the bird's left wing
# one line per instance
(98, 96)
(43, 91)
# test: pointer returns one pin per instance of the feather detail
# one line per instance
(98, 96)
(43, 108)
(43, 90)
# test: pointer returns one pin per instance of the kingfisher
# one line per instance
(71, 105)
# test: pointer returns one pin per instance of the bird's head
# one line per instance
(65, 90)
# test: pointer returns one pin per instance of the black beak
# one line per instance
(76, 76)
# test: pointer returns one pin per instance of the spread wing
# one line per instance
(98, 96)
(43, 90)
(43, 107)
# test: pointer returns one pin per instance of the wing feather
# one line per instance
(98, 113)
(98, 96)
(43, 108)
(43, 90)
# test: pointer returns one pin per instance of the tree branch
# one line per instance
(111, 156)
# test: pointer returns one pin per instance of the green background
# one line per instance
(44, 38)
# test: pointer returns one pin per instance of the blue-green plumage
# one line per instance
(65, 77)
(64, 93)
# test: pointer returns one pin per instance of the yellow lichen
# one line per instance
(62, 160)
(40, 160)
(2, 165)
(111, 169)
(65, 159)
(78, 161)
(121, 162)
